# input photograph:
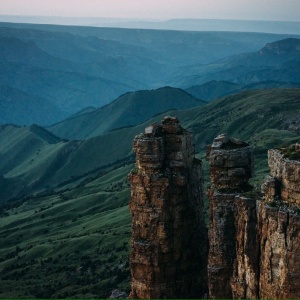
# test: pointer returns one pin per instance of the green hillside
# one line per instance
(213, 89)
(71, 240)
(70, 243)
(40, 164)
(128, 110)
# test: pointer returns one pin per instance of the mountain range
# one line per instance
(72, 100)
(71, 67)
(278, 61)
(128, 110)
(172, 24)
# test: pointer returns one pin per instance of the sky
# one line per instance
(277, 10)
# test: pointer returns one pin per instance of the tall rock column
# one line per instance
(168, 257)
(279, 226)
(232, 258)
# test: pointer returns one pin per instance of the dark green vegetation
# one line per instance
(67, 68)
(291, 153)
(128, 110)
(73, 242)
(71, 238)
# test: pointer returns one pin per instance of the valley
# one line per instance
(72, 100)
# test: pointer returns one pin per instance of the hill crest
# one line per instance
(129, 109)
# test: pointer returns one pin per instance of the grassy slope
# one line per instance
(74, 242)
(40, 164)
(70, 243)
(128, 110)
(258, 117)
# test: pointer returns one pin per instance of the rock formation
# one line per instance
(279, 226)
(254, 237)
(232, 258)
(254, 241)
(169, 240)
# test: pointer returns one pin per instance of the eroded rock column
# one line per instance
(232, 259)
(169, 240)
(279, 226)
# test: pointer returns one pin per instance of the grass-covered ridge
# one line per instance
(128, 110)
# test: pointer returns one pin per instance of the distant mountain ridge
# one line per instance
(172, 24)
(286, 46)
(129, 109)
(76, 67)
(215, 89)
(270, 63)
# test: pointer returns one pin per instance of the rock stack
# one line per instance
(279, 226)
(232, 258)
(169, 240)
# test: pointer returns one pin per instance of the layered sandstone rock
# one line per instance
(233, 247)
(279, 231)
(169, 240)
(279, 227)
(287, 174)
(254, 242)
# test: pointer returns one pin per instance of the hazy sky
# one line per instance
(286, 10)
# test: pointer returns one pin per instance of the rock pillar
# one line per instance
(232, 258)
(279, 226)
(169, 240)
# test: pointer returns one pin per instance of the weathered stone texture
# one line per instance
(279, 229)
(254, 243)
(233, 248)
(287, 173)
(279, 232)
(244, 281)
(169, 239)
(230, 163)
(222, 250)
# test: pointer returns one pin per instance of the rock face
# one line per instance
(279, 227)
(279, 247)
(254, 242)
(253, 238)
(169, 239)
(286, 173)
(233, 248)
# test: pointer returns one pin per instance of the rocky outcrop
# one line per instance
(254, 242)
(279, 232)
(254, 238)
(233, 248)
(286, 173)
(279, 226)
(169, 240)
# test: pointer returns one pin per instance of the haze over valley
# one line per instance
(74, 96)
